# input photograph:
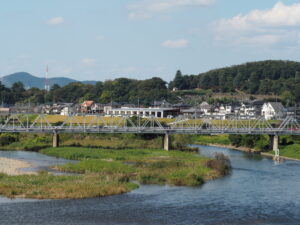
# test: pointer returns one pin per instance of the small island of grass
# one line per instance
(103, 172)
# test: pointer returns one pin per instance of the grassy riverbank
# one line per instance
(289, 145)
(35, 142)
(105, 172)
(290, 151)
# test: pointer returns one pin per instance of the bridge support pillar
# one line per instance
(274, 144)
(167, 142)
(55, 141)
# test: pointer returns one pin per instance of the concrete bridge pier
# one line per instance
(274, 144)
(167, 142)
(55, 142)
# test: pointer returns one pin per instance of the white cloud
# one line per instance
(279, 25)
(56, 21)
(146, 8)
(182, 43)
(88, 61)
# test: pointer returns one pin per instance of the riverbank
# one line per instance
(13, 166)
(269, 154)
(103, 172)
(289, 145)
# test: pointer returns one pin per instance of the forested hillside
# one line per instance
(264, 77)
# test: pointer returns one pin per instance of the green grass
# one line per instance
(97, 166)
(48, 186)
(146, 166)
(291, 151)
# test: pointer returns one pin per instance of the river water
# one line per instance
(259, 191)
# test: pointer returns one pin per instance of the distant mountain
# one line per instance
(30, 81)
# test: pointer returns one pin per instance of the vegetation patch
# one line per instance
(103, 172)
(48, 186)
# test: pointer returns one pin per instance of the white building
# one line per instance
(272, 110)
(65, 111)
(142, 112)
(205, 107)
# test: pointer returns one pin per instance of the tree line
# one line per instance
(121, 90)
(264, 77)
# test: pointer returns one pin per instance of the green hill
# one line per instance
(263, 77)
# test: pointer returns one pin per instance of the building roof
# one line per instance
(87, 103)
(277, 106)
(162, 103)
(143, 109)
(191, 110)
(205, 105)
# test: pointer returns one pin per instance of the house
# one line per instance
(293, 111)
(65, 111)
(272, 110)
(86, 106)
(250, 109)
(97, 108)
(206, 108)
(192, 112)
(4, 110)
(67, 108)
(227, 109)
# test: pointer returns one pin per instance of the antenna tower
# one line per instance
(47, 86)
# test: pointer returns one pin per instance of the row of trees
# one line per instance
(120, 90)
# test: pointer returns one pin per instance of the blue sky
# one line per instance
(100, 39)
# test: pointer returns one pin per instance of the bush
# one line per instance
(8, 138)
(235, 139)
(259, 142)
(221, 164)
(179, 141)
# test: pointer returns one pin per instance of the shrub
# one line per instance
(235, 139)
(8, 138)
(220, 163)
(180, 140)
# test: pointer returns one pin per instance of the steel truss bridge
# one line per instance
(19, 123)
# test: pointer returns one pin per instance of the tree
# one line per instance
(253, 83)
(288, 98)
(18, 91)
(180, 81)
(105, 97)
(297, 77)
(238, 81)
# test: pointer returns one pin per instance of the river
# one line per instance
(258, 191)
